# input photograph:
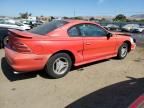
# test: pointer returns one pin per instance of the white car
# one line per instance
(6, 24)
(11, 24)
(130, 27)
(139, 29)
(112, 27)
(23, 26)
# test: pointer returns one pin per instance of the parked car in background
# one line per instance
(112, 27)
(3, 36)
(24, 26)
(58, 45)
(13, 24)
(129, 27)
(6, 24)
(31, 23)
(26, 21)
(138, 29)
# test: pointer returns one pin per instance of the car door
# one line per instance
(77, 43)
(96, 43)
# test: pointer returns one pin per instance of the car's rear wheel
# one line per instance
(1, 44)
(5, 41)
(123, 51)
(58, 65)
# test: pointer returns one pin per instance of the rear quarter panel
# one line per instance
(51, 45)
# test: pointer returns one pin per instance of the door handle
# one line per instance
(88, 43)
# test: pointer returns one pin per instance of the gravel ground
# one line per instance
(106, 84)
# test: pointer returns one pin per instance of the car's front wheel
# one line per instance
(58, 65)
(123, 51)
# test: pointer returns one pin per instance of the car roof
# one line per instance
(79, 21)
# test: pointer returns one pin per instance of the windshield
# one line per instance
(48, 27)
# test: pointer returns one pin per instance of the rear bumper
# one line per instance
(25, 62)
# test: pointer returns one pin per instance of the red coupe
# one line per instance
(58, 45)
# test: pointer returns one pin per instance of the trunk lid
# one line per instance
(22, 34)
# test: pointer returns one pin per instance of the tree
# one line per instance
(78, 18)
(120, 18)
(92, 19)
(25, 15)
(52, 18)
(66, 17)
(142, 20)
(30, 14)
(103, 19)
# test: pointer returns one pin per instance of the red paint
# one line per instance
(139, 103)
(30, 52)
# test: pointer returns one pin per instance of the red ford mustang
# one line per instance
(58, 45)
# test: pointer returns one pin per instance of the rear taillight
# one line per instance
(21, 47)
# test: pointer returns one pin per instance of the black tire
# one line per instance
(1, 42)
(121, 54)
(52, 63)
(5, 41)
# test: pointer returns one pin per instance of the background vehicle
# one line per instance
(112, 27)
(6, 24)
(3, 36)
(129, 27)
(138, 29)
(60, 44)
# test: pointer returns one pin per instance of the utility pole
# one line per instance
(74, 13)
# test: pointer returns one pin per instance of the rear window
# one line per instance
(48, 27)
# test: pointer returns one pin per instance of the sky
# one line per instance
(71, 7)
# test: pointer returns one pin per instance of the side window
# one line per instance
(91, 30)
(73, 32)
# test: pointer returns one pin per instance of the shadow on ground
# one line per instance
(119, 95)
(9, 73)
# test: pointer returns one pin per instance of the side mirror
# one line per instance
(109, 35)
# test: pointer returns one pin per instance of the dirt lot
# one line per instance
(106, 84)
